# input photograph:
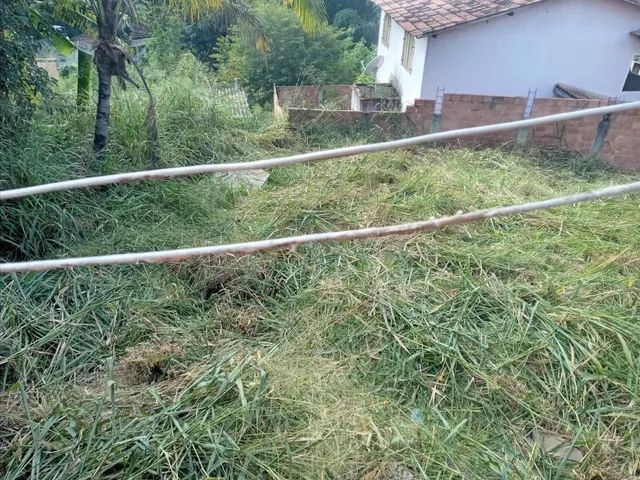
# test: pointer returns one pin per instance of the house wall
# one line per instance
(585, 43)
(409, 85)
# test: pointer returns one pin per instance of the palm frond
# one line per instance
(312, 13)
(62, 43)
(78, 14)
(241, 15)
(125, 9)
(98, 8)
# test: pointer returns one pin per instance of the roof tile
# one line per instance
(424, 17)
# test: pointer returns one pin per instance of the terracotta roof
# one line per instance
(424, 17)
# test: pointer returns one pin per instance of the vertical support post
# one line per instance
(437, 111)
(601, 136)
(525, 133)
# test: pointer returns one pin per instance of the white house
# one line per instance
(506, 47)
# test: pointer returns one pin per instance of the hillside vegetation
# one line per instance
(432, 356)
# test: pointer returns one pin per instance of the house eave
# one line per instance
(510, 12)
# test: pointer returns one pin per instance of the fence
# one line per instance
(618, 137)
(160, 174)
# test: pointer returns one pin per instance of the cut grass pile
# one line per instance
(433, 356)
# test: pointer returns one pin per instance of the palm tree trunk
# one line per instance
(101, 136)
(83, 92)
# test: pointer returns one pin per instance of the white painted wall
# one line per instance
(585, 43)
(409, 85)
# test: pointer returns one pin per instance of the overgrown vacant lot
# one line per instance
(432, 356)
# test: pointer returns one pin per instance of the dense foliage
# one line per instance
(23, 26)
(360, 29)
(366, 9)
(360, 17)
(292, 56)
(201, 37)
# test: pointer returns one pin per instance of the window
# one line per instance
(386, 29)
(408, 47)
(632, 84)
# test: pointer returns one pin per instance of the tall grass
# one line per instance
(433, 356)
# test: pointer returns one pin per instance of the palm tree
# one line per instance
(111, 56)
(110, 59)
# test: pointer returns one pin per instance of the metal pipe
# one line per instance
(308, 157)
(168, 256)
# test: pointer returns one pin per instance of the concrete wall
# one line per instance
(585, 43)
(459, 111)
(409, 85)
(334, 97)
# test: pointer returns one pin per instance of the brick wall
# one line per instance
(577, 135)
(463, 111)
(621, 148)
(420, 116)
(622, 144)
(336, 96)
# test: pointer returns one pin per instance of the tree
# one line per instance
(366, 9)
(202, 37)
(111, 57)
(360, 28)
(293, 57)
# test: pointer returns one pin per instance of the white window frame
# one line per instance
(408, 48)
(386, 29)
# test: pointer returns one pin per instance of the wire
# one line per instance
(165, 173)
(168, 256)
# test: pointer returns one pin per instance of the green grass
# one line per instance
(436, 353)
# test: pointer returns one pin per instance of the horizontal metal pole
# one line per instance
(169, 256)
(166, 173)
